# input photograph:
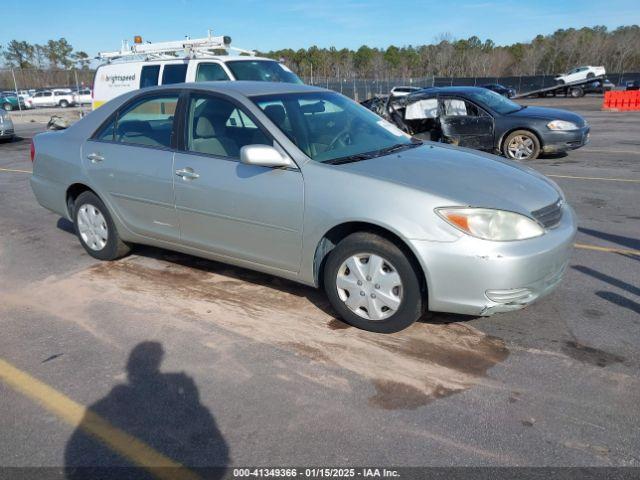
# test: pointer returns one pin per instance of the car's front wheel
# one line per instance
(95, 228)
(372, 284)
(521, 145)
(7, 106)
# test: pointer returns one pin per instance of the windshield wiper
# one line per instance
(350, 158)
(377, 153)
(398, 147)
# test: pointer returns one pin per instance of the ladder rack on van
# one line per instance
(197, 47)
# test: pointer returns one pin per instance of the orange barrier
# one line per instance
(621, 101)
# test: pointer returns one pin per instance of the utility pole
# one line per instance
(15, 86)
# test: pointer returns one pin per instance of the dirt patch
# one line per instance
(590, 355)
(407, 370)
(392, 395)
(336, 324)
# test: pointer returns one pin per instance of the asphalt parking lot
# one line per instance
(256, 371)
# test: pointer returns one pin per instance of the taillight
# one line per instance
(32, 151)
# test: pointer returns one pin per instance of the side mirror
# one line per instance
(264, 156)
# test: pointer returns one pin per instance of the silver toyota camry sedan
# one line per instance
(303, 183)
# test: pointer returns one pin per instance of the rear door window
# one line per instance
(147, 122)
(211, 72)
(149, 76)
(174, 73)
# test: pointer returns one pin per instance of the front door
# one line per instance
(130, 162)
(226, 207)
(465, 124)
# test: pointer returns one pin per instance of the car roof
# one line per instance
(247, 88)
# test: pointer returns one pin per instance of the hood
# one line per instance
(549, 114)
(462, 177)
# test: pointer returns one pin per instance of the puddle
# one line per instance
(590, 355)
(406, 370)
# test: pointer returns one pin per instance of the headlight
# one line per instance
(561, 125)
(489, 224)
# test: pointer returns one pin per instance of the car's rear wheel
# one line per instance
(560, 82)
(7, 106)
(521, 145)
(372, 284)
(591, 75)
(95, 228)
(63, 103)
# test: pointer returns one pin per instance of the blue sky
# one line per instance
(271, 24)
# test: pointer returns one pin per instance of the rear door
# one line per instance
(246, 212)
(465, 124)
(130, 161)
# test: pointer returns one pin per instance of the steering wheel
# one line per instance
(343, 139)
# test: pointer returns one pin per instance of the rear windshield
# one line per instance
(262, 71)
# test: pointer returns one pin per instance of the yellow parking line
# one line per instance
(630, 180)
(14, 170)
(623, 251)
(136, 451)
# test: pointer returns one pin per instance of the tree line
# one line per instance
(55, 54)
(550, 54)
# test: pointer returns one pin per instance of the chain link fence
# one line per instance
(26, 79)
(357, 88)
(362, 88)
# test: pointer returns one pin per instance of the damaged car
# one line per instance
(481, 119)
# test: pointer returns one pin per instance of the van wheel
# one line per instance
(521, 145)
(63, 103)
(372, 284)
(95, 228)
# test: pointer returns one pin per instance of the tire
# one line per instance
(560, 82)
(590, 75)
(398, 282)
(7, 107)
(576, 92)
(63, 103)
(527, 139)
(100, 238)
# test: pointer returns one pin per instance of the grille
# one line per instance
(550, 215)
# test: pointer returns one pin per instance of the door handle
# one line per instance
(187, 174)
(95, 157)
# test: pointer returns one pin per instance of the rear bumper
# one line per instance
(557, 142)
(477, 277)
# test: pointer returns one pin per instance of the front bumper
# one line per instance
(558, 141)
(478, 277)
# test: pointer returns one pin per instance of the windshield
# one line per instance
(331, 128)
(262, 71)
(494, 101)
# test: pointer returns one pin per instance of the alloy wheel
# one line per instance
(520, 147)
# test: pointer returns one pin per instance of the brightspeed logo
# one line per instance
(118, 78)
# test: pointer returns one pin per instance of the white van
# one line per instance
(146, 65)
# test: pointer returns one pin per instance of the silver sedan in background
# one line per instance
(303, 183)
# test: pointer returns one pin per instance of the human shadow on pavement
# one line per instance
(154, 419)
